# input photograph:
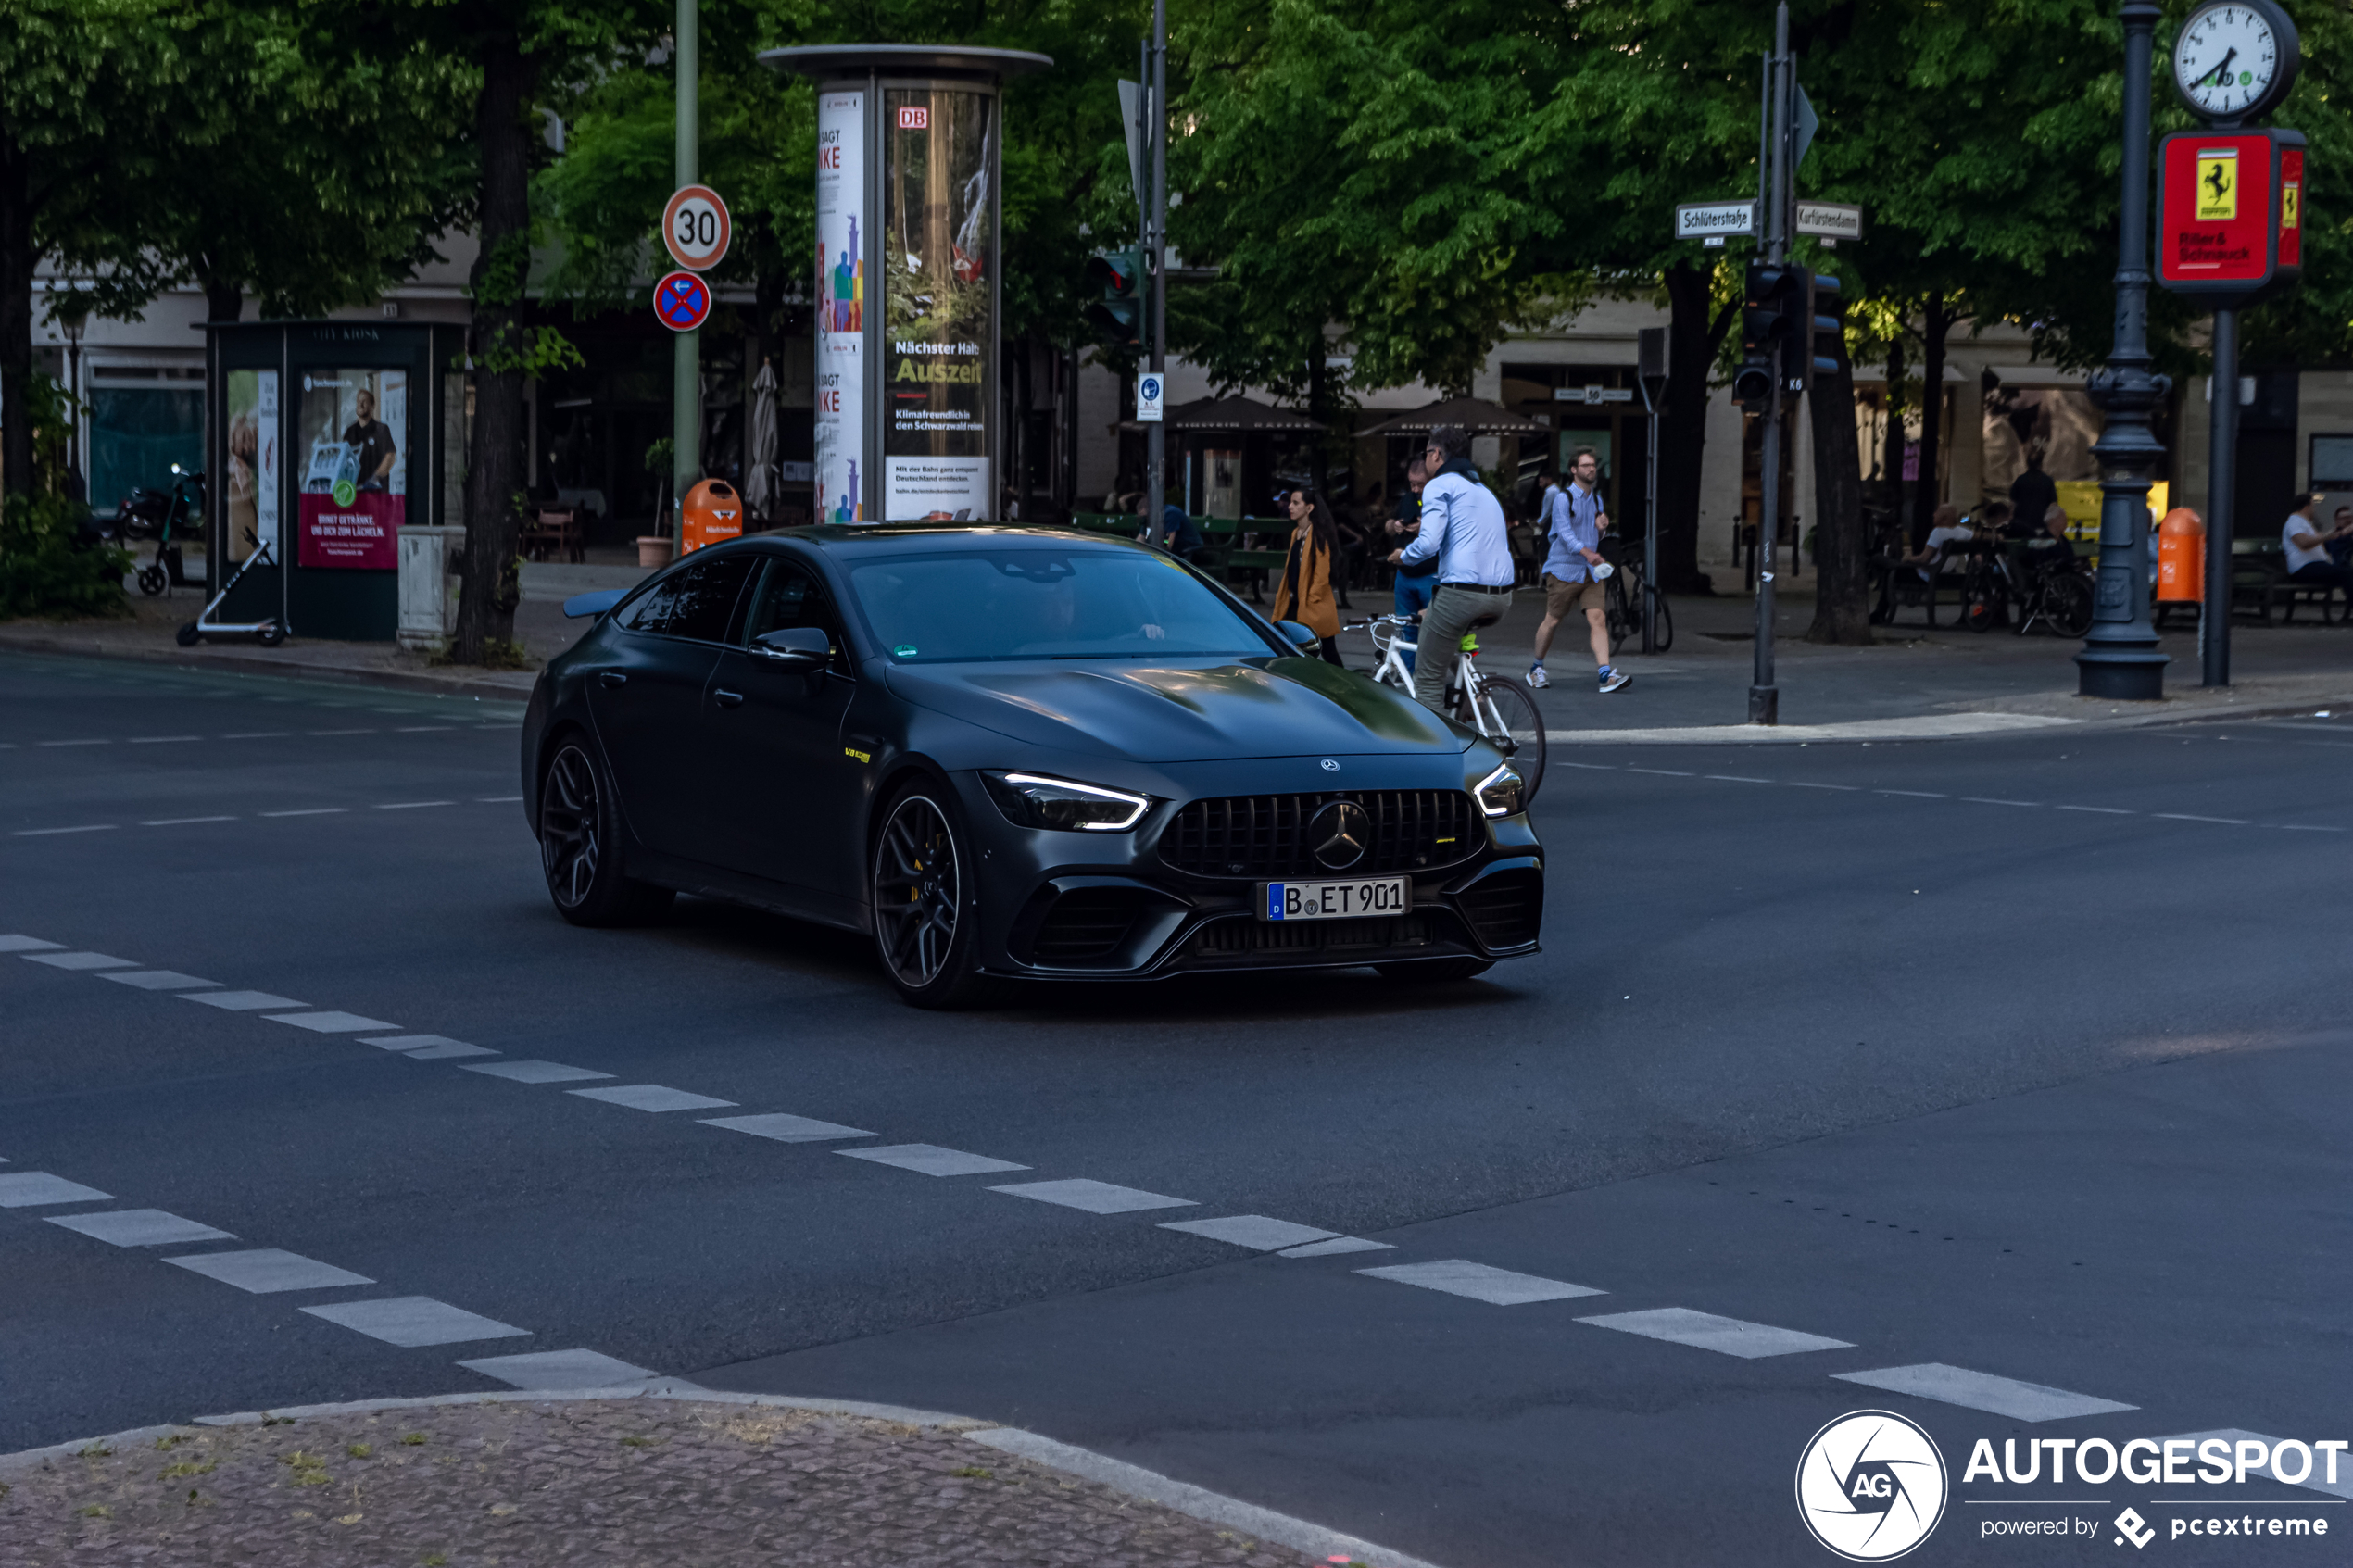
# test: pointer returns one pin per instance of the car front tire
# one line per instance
(580, 838)
(927, 920)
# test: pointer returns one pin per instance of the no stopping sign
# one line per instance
(695, 227)
(683, 301)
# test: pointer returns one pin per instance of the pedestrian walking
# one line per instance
(1463, 531)
(1305, 595)
(1574, 523)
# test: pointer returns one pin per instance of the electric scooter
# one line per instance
(166, 516)
(268, 634)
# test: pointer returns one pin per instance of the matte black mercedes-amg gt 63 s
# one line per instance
(1015, 753)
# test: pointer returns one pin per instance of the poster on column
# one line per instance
(939, 293)
(352, 431)
(842, 491)
(253, 465)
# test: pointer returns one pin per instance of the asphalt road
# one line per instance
(2019, 1057)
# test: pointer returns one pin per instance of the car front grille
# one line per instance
(1265, 835)
(1331, 938)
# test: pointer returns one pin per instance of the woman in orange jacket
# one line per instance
(1305, 595)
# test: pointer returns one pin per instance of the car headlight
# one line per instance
(1500, 793)
(1033, 800)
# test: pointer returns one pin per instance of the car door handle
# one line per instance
(612, 678)
(728, 699)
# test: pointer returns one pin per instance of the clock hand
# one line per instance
(2215, 75)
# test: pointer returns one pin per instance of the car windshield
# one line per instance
(987, 604)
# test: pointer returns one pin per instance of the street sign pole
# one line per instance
(1764, 697)
(2214, 618)
(1650, 366)
(1156, 269)
(686, 391)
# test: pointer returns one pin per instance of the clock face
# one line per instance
(2227, 60)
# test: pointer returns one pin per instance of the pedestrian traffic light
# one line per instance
(1119, 314)
(1826, 339)
(1771, 306)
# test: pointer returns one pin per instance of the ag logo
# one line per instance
(1871, 1485)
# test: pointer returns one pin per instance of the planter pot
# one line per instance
(653, 550)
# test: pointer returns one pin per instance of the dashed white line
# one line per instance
(413, 1320)
(160, 980)
(19, 944)
(2306, 827)
(1801, 783)
(74, 743)
(140, 1227)
(31, 1190)
(930, 1160)
(339, 732)
(559, 1369)
(1983, 1391)
(1989, 800)
(1095, 1197)
(2186, 817)
(1663, 773)
(80, 961)
(535, 1072)
(2103, 811)
(652, 1097)
(160, 740)
(310, 811)
(259, 734)
(245, 1002)
(1705, 1331)
(498, 800)
(1260, 1232)
(1337, 1245)
(781, 1128)
(1735, 778)
(331, 1022)
(1500, 1287)
(420, 729)
(266, 1270)
(183, 822)
(51, 833)
(1917, 794)
(414, 805)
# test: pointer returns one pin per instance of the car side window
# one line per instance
(790, 595)
(693, 602)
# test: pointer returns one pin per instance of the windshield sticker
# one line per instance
(904, 650)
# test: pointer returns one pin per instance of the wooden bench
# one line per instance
(550, 529)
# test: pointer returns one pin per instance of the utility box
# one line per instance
(326, 442)
(429, 586)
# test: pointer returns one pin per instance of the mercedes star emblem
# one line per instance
(1338, 834)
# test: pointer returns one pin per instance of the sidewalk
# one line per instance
(1917, 682)
(655, 1480)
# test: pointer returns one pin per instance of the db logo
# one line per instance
(915, 120)
(1871, 1485)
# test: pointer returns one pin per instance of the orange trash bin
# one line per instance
(2180, 557)
(713, 512)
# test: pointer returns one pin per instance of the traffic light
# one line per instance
(1119, 314)
(1771, 308)
(1824, 339)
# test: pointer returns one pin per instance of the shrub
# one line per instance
(49, 567)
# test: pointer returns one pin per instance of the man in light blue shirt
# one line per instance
(1574, 523)
(1463, 526)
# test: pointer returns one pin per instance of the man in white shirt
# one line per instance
(2307, 549)
(1946, 530)
(1463, 526)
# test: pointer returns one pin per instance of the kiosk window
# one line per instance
(693, 602)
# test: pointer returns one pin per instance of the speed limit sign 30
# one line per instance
(695, 227)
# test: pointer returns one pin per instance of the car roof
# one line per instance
(853, 541)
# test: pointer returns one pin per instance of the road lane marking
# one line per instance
(1989, 800)
(140, 1227)
(414, 1321)
(2103, 811)
(558, 1369)
(418, 1042)
(533, 1071)
(268, 1270)
(781, 1128)
(1736, 778)
(259, 734)
(47, 833)
(414, 805)
(1337, 1245)
(1801, 783)
(78, 960)
(1663, 773)
(310, 811)
(498, 800)
(160, 740)
(652, 1097)
(1095, 1197)
(183, 821)
(159, 980)
(20, 944)
(339, 732)
(1983, 1391)
(1500, 1287)
(930, 1160)
(245, 1002)
(2186, 817)
(1257, 1232)
(447, 1049)
(31, 1190)
(74, 743)
(419, 730)
(1917, 794)
(331, 1022)
(1705, 1331)
(2306, 827)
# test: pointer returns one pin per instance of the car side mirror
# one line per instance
(795, 648)
(1298, 635)
(578, 604)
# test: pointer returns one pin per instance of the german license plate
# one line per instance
(1335, 900)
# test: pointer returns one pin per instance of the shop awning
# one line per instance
(1229, 416)
(1474, 414)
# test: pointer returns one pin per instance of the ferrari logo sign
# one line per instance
(2289, 216)
(2217, 184)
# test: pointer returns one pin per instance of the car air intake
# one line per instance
(1506, 908)
(1265, 835)
(1088, 922)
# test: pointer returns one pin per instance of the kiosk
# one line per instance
(327, 439)
(910, 148)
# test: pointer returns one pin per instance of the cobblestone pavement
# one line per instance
(634, 1481)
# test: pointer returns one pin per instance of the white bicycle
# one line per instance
(1499, 707)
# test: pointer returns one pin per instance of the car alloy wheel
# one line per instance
(918, 892)
(569, 830)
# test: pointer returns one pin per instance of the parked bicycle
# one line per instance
(1622, 594)
(1499, 707)
(2048, 588)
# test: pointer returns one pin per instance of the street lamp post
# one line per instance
(2120, 657)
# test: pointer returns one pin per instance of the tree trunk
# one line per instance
(1318, 450)
(1891, 462)
(16, 315)
(1928, 494)
(224, 298)
(494, 458)
(1691, 342)
(1842, 541)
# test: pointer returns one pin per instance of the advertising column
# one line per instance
(844, 495)
(940, 326)
(354, 426)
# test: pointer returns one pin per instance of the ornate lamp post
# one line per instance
(2120, 657)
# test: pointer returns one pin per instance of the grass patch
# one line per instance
(188, 1467)
(95, 1450)
(358, 1450)
(413, 1438)
(973, 1473)
(639, 1442)
(310, 1470)
(97, 1510)
(171, 1440)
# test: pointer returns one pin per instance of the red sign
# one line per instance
(2292, 207)
(2217, 213)
(683, 301)
(365, 534)
(915, 120)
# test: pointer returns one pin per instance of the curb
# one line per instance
(486, 683)
(1129, 1480)
(1929, 727)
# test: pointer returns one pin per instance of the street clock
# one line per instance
(2234, 59)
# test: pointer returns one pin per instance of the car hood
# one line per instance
(1180, 713)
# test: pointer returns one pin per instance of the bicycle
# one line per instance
(1622, 594)
(1500, 708)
